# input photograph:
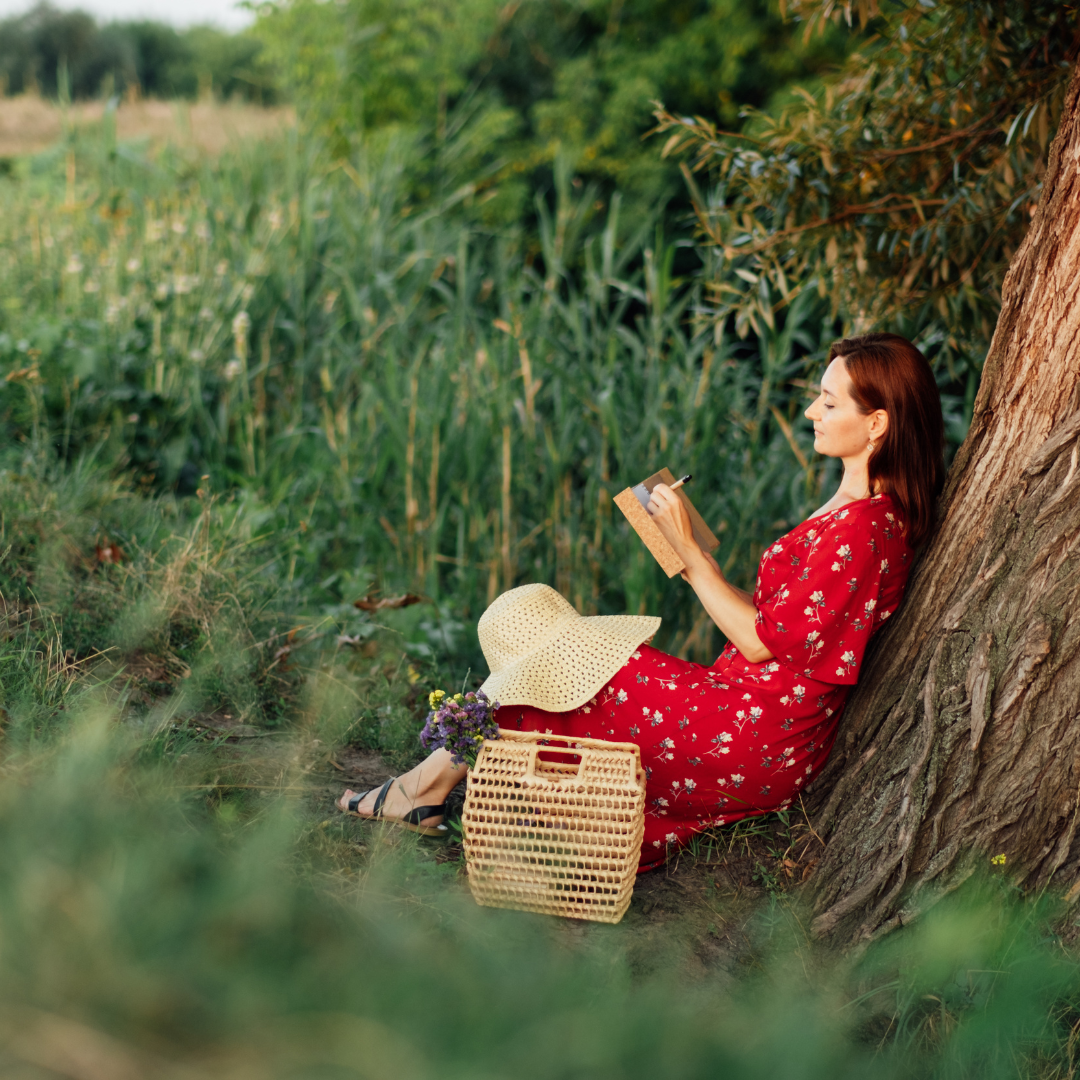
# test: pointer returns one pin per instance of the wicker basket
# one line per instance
(554, 825)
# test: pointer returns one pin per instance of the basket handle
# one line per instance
(530, 779)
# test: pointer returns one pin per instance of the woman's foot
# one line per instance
(426, 785)
(388, 803)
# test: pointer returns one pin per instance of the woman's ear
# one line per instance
(879, 424)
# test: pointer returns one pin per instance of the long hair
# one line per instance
(888, 372)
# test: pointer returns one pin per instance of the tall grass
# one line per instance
(418, 404)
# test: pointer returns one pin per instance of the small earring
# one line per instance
(870, 447)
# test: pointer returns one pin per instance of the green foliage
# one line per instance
(712, 58)
(413, 404)
(60, 53)
(160, 596)
(901, 189)
(576, 79)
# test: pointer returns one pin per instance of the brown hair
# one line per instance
(888, 372)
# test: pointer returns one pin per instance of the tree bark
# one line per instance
(962, 741)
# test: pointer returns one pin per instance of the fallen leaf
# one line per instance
(108, 553)
(369, 603)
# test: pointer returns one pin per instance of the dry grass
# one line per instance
(29, 123)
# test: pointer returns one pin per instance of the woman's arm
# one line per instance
(748, 597)
(731, 609)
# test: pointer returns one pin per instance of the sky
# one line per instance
(221, 13)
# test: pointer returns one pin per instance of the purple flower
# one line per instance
(460, 724)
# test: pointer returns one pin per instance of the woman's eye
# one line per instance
(828, 406)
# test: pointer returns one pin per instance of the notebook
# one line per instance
(632, 502)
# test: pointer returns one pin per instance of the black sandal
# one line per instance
(410, 821)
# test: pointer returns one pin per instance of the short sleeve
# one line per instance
(818, 619)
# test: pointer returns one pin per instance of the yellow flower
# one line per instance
(435, 697)
(997, 860)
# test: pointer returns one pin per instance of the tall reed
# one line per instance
(418, 403)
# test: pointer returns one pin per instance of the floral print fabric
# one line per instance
(738, 738)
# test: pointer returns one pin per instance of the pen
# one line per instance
(682, 480)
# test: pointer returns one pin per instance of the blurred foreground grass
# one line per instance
(148, 930)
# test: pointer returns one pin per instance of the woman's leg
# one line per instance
(427, 784)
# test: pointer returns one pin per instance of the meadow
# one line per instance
(242, 393)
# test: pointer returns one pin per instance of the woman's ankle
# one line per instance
(430, 782)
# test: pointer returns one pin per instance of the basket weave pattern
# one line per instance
(558, 834)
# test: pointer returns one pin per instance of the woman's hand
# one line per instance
(671, 518)
(731, 609)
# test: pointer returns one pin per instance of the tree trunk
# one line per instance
(961, 741)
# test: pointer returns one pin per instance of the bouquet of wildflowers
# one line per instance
(460, 724)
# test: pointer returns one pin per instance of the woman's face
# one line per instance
(840, 430)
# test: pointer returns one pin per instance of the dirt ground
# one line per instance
(702, 905)
(29, 123)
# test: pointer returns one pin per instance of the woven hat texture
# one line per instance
(541, 652)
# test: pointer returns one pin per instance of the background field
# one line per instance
(29, 123)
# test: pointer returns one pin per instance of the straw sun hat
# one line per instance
(543, 653)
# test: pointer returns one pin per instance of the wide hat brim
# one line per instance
(573, 667)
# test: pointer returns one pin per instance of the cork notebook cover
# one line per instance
(629, 503)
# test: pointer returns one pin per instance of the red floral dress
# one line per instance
(739, 739)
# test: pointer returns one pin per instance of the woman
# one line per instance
(742, 737)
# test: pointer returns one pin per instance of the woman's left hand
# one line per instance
(669, 513)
